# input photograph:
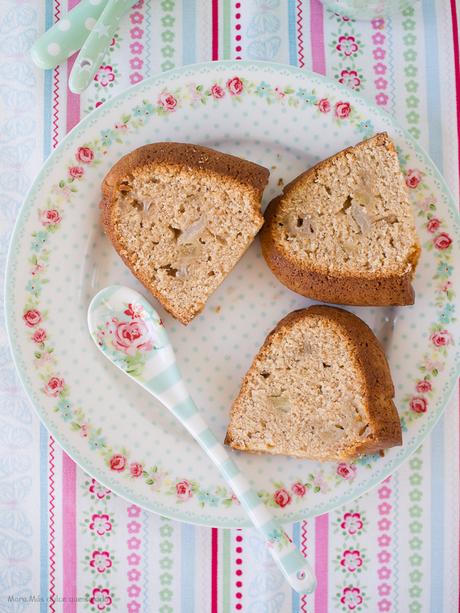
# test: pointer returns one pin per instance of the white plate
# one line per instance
(287, 120)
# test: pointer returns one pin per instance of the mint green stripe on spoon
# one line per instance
(95, 47)
(67, 35)
(130, 334)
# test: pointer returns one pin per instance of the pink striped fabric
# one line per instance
(69, 533)
(317, 37)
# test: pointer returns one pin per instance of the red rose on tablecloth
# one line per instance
(132, 336)
(352, 523)
(413, 178)
(347, 471)
(105, 75)
(100, 598)
(342, 110)
(442, 241)
(85, 155)
(97, 489)
(135, 469)
(235, 86)
(351, 597)
(100, 560)
(351, 560)
(118, 462)
(54, 387)
(418, 404)
(76, 172)
(350, 78)
(50, 217)
(167, 101)
(184, 490)
(324, 105)
(433, 225)
(347, 45)
(423, 386)
(441, 338)
(299, 489)
(217, 91)
(282, 497)
(32, 317)
(39, 335)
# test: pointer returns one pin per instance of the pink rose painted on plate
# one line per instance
(235, 86)
(32, 317)
(217, 91)
(423, 386)
(347, 471)
(299, 489)
(54, 387)
(118, 462)
(342, 110)
(324, 105)
(433, 225)
(413, 178)
(100, 598)
(50, 217)
(135, 469)
(352, 523)
(100, 561)
(442, 241)
(37, 269)
(184, 490)
(351, 560)
(85, 155)
(282, 497)
(39, 336)
(351, 597)
(167, 101)
(418, 404)
(76, 172)
(131, 336)
(441, 338)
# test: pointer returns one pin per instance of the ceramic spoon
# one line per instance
(130, 333)
(95, 46)
(67, 35)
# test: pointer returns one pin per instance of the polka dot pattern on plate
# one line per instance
(216, 349)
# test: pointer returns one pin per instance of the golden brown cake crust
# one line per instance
(389, 290)
(369, 355)
(192, 156)
(195, 157)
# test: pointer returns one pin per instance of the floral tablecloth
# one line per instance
(69, 544)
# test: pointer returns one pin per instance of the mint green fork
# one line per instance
(130, 333)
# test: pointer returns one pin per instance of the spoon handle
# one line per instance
(67, 35)
(159, 375)
(96, 45)
(169, 387)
